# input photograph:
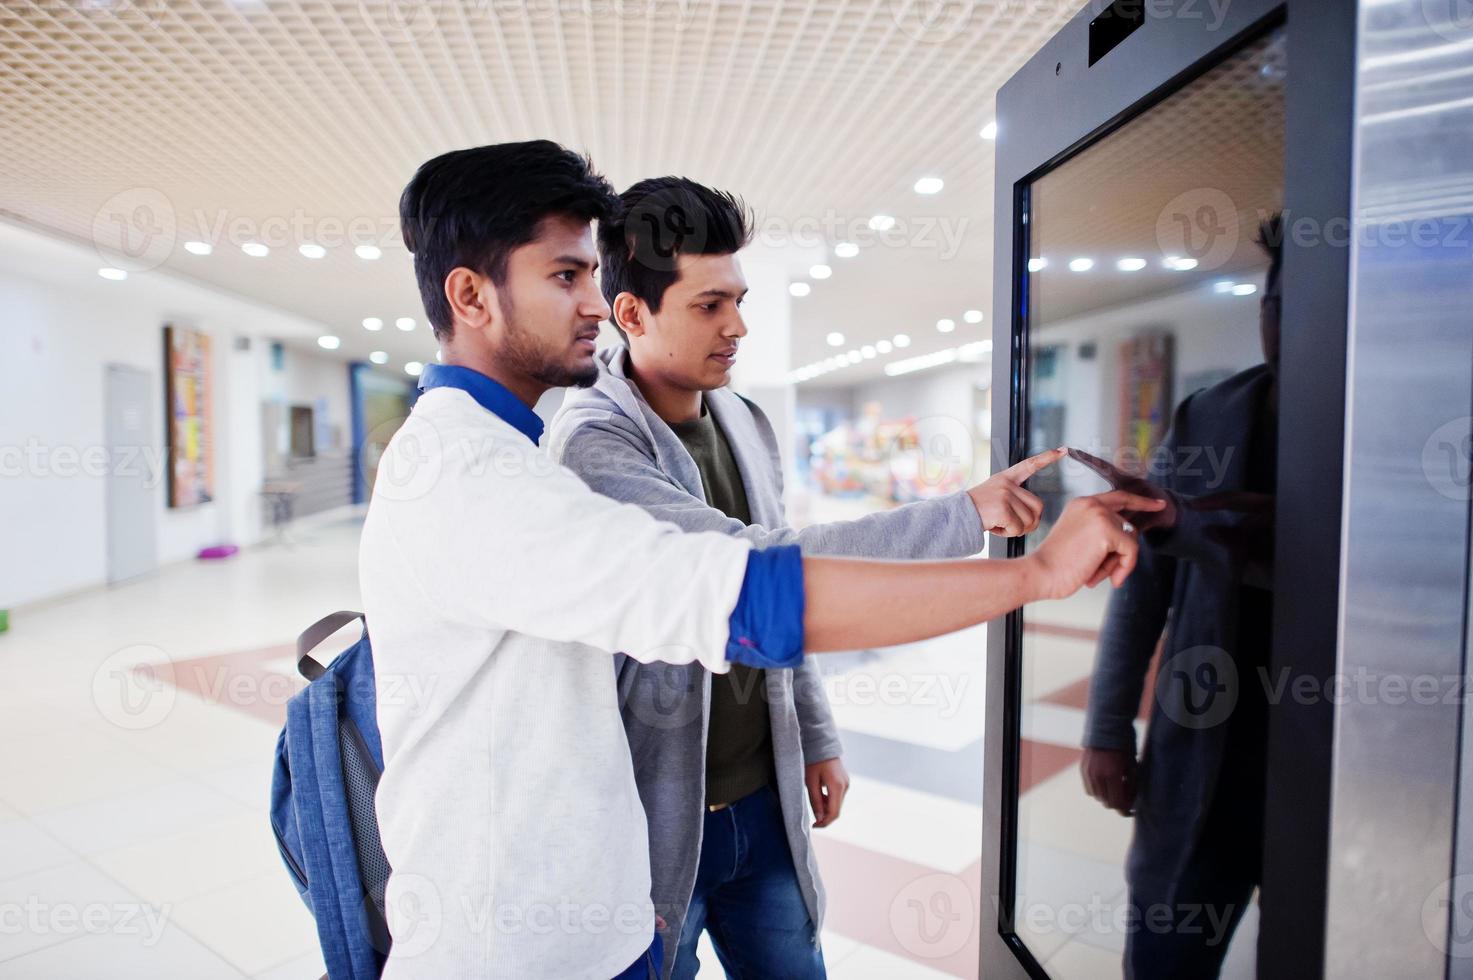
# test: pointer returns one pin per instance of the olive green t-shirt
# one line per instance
(739, 738)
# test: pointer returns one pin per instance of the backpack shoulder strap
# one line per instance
(315, 634)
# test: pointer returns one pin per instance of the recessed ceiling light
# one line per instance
(1244, 289)
(1081, 264)
(405, 323)
(414, 369)
(372, 323)
(867, 351)
(1223, 286)
(255, 250)
(198, 248)
(972, 316)
(1178, 263)
(379, 357)
(989, 132)
(1037, 265)
(883, 346)
(329, 342)
(902, 340)
(846, 250)
(799, 288)
(311, 251)
(820, 271)
(929, 185)
(946, 325)
(369, 252)
(881, 222)
(116, 275)
(835, 339)
(1131, 265)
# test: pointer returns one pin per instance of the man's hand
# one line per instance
(1091, 542)
(1109, 776)
(827, 781)
(1006, 508)
(1121, 480)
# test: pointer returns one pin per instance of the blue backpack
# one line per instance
(328, 761)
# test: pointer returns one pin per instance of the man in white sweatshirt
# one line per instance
(495, 584)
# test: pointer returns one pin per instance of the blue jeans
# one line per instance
(648, 966)
(747, 895)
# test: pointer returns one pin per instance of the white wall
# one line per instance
(60, 325)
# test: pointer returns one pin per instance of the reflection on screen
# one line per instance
(1152, 322)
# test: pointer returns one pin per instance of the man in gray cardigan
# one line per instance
(722, 764)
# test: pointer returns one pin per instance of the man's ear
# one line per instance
(629, 314)
(472, 297)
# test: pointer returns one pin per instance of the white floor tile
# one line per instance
(65, 902)
(255, 924)
(922, 828)
(139, 815)
(127, 957)
(173, 869)
(25, 848)
(870, 963)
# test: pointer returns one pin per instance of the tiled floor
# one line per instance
(133, 830)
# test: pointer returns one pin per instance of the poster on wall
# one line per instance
(1145, 398)
(187, 395)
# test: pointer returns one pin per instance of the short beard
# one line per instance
(524, 352)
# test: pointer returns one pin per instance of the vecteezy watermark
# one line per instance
(943, 234)
(933, 916)
(134, 230)
(146, 464)
(892, 689)
(33, 917)
(1451, 20)
(410, 465)
(134, 687)
(419, 915)
(139, 228)
(1101, 917)
(1198, 687)
(1447, 917)
(1201, 224)
(1447, 458)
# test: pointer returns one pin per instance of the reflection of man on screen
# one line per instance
(1204, 577)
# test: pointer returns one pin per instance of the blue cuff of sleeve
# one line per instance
(767, 623)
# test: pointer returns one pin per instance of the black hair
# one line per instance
(659, 220)
(473, 207)
(1271, 240)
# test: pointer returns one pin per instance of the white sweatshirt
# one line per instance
(495, 585)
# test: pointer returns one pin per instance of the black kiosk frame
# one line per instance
(1107, 65)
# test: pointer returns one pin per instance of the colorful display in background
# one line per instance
(188, 391)
(1145, 398)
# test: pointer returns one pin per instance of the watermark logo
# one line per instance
(134, 687)
(134, 230)
(1451, 20)
(1198, 687)
(1447, 458)
(932, 21)
(933, 916)
(396, 21)
(414, 912)
(1447, 917)
(1200, 224)
(410, 464)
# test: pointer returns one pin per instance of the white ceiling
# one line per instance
(292, 121)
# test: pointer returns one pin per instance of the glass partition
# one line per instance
(1151, 324)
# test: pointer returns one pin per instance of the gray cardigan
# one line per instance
(614, 441)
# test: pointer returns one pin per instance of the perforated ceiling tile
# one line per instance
(301, 120)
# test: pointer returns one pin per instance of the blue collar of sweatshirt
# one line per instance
(491, 395)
